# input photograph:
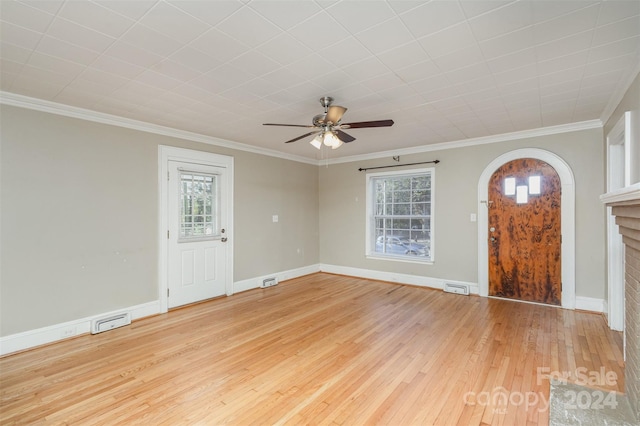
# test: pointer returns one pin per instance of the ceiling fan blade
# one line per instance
(344, 137)
(303, 136)
(361, 124)
(288, 125)
(335, 113)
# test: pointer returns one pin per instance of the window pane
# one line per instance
(421, 195)
(421, 182)
(420, 209)
(402, 196)
(534, 185)
(521, 194)
(401, 209)
(510, 186)
(402, 223)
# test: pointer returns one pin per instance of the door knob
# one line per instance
(223, 239)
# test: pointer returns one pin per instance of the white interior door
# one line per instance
(197, 234)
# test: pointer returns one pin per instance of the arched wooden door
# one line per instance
(524, 232)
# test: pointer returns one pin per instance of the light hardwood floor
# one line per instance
(321, 349)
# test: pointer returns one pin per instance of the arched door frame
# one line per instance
(567, 220)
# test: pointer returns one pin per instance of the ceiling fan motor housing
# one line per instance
(319, 120)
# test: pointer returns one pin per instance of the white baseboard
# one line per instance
(41, 336)
(255, 282)
(417, 280)
(582, 303)
(590, 304)
(53, 333)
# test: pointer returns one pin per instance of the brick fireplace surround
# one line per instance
(625, 205)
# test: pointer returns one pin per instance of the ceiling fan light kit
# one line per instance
(329, 139)
(328, 126)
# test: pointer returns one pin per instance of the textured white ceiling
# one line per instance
(443, 70)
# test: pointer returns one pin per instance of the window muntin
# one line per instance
(400, 220)
(199, 205)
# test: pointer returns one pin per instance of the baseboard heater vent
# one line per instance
(109, 323)
(269, 282)
(456, 288)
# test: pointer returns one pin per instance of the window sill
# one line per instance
(400, 259)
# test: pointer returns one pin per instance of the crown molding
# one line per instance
(504, 137)
(21, 101)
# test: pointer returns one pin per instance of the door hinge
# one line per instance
(167, 234)
(168, 175)
(167, 292)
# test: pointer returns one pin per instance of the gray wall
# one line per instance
(80, 214)
(343, 210)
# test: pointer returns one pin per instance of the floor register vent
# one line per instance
(269, 282)
(456, 288)
(109, 323)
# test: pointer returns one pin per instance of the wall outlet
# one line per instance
(68, 332)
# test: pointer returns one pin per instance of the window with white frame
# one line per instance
(400, 215)
(199, 205)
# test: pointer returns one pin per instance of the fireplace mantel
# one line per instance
(623, 196)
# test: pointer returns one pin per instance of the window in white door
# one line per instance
(199, 205)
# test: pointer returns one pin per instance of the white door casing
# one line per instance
(198, 268)
(567, 220)
(618, 176)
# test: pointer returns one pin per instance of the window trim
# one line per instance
(370, 221)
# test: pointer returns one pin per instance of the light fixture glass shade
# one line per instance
(330, 139)
(317, 141)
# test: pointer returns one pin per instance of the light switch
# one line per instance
(275, 218)
(473, 217)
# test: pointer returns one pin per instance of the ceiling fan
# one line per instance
(328, 127)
